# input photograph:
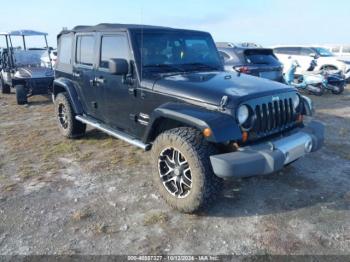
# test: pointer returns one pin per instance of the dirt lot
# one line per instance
(93, 195)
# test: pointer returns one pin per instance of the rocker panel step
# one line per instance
(113, 132)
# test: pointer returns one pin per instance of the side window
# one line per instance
(287, 50)
(335, 49)
(65, 49)
(113, 47)
(293, 50)
(306, 51)
(85, 50)
(346, 49)
(280, 50)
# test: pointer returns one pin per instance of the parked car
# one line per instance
(250, 59)
(326, 60)
(165, 90)
(341, 51)
(22, 69)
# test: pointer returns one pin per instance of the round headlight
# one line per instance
(242, 114)
(296, 101)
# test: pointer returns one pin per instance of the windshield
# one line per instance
(28, 57)
(176, 52)
(323, 52)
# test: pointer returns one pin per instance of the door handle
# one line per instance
(99, 80)
(76, 74)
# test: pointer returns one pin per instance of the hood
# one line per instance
(34, 72)
(212, 86)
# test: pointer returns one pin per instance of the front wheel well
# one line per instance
(163, 124)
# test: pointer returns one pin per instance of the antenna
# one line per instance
(141, 53)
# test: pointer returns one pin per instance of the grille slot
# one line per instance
(276, 115)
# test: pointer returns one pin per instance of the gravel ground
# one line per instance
(94, 195)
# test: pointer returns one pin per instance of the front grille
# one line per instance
(274, 116)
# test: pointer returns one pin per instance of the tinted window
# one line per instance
(287, 50)
(306, 51)
(323, 52)
(113, 47)
(65, 49)
(346, 49)
(176, 51)
(261, 57)
(335, 49)
(85, 50)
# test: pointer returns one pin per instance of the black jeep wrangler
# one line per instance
(164, 89)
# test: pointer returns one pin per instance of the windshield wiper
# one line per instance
(202, 66)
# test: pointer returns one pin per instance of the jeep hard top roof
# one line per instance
(118, 27)
(23, 33)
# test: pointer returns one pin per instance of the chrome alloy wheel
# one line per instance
(175, 172)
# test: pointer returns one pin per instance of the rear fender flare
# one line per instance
(65, 85)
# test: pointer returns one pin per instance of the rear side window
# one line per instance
(346, 49)
(65, 49)
(261, 57)
(113, 47)
(85, 50)
(306, 51)
(335, 49)
(287, 50)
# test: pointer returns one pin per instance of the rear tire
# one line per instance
(21, 95)
(5, 88)
(184, 179)
(68, 125)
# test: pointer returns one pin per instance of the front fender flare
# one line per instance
(66, 85)
(223, 126)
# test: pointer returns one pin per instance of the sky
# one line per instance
(268, 22)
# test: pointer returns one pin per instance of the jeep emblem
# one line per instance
(275, 98)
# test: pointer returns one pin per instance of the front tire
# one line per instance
(21, 95)
(68, 125)
(182, 171)
(5, 88)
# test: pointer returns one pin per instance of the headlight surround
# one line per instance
(242, 114)
(296, 101)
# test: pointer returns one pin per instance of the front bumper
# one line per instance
(270, 156)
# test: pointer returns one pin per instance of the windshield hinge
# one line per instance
(223, 102)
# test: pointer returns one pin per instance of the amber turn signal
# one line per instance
(244, 137)
(300, 118)
(207, 132)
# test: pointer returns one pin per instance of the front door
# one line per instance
(118, 104)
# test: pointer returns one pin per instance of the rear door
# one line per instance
(118, 101)
(83, 74)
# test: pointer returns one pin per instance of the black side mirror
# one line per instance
(118, 66)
